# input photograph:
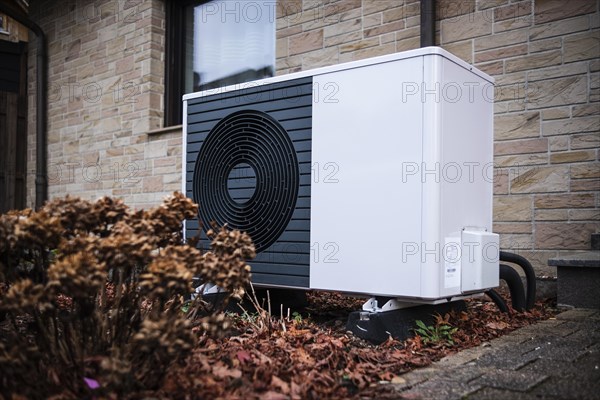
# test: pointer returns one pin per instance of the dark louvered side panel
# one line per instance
(286, 261)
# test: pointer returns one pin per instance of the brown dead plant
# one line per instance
(95, 292)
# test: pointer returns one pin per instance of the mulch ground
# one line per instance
(311, 356)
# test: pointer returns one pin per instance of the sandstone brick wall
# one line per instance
(544, 55)
(313, 33)
(106, 74)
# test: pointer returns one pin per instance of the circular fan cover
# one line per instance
(247, 176)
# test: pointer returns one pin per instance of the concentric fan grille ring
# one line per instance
(254, 138)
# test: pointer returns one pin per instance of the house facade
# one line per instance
(115, 73)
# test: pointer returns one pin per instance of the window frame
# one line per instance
(174, 52)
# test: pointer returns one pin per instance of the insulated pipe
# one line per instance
(492, 294)
(427, 23)
(515, 286)
(41, 181)
(529, 274)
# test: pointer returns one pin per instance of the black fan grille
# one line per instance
(254, 142)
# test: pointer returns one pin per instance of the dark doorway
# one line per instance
(13, 125)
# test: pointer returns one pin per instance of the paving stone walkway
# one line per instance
(553, 359)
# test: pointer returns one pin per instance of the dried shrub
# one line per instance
(95, 291)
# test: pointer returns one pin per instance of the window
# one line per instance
(211, 44)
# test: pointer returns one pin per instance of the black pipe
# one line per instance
(41, 181)
(427, 23)
(529, 274)
(496, 298)
(515, 286)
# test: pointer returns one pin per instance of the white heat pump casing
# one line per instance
(414, 163)
(402, 152)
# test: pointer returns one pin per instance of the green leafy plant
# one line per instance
(297, 317)
(439, 333)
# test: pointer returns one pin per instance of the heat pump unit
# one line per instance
(372, 177)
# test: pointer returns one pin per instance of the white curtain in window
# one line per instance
(233, 36)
